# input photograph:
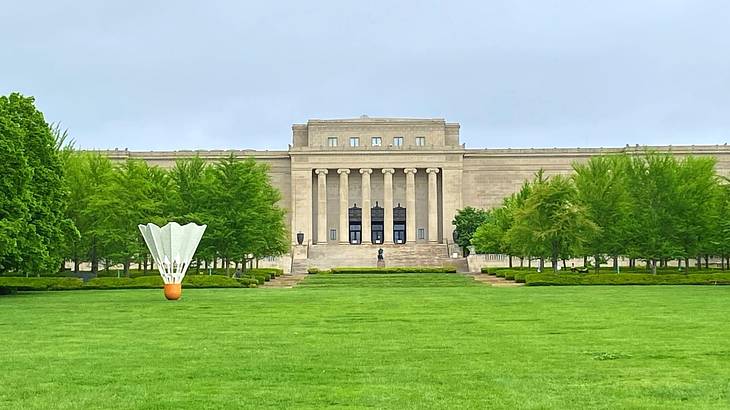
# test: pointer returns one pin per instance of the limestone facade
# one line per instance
(345, 181)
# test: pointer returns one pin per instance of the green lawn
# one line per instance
(382, 341)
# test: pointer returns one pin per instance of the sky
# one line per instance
(169, 75)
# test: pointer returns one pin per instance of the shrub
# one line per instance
(142, 282)
(572, 279)
(446, 269)
(274, 272)
(22, 283)
(212, 281)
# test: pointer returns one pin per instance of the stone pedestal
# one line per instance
(381, 263)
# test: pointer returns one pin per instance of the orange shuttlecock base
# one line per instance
(173, 291)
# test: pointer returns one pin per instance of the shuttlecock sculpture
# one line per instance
(172, 248)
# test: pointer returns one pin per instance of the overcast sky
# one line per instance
(235, 74)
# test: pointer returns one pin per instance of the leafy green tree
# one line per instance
(192, 199)
(695, 213)
(552, 222)
(33, 199)
(652, 232)
(467, 221)
(601, 187)
(246, 217)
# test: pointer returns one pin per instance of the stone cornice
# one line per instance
(558, 152)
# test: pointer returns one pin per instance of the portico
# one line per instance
(375, 181)
(361, 219)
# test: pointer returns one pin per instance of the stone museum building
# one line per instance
(397, 183)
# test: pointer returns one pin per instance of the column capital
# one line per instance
(388, 171)
(434, 170)
(321, 171)
(366, 171)
(343, 171)
(409, 170)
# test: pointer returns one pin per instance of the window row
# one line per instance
(375, 141)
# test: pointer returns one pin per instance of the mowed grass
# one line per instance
(379, 341)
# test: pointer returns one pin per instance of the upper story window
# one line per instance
(398, 141)
(354, 141)
(332, 141)
(376, 141)
(420, 141)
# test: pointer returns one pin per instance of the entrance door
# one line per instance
(355, 215)
(378, 233)
(355, 234)
(399, 233)
(399, 224)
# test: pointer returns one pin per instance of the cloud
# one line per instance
(183, 75)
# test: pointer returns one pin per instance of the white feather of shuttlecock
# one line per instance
(172, 247)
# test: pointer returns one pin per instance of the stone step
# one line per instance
(494, 280)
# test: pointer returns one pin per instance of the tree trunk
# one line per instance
(257, 262)
(94, 258)
(76, 264)
(529, 263)
(145, 264)
(509, 257)
(522, 262)
(215, 263)
(615, 264)
(541, 266)
(585, 261)
(126, 267)
(707, 261)
(596, 263)
(698, 263)
(653, 266)
(554, 257)
(197, 265)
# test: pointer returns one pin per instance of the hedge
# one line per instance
(572, 279)
(144, 282)
(445, 269)
(22, 283)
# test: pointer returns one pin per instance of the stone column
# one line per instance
(410, 204)
(388, 204)
(366, 237)
(433, 208)
(344, 205)
(321, 205)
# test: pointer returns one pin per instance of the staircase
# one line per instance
(366, 255)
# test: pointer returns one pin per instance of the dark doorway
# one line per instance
(355, 216)
(399, 224)
(377, 224)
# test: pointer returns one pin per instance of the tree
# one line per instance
(552, 222)
(601, 188)
(467, 221)
(652, 232)
(127, 202)
(248, 220)
(33, 200)
(695, 206)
